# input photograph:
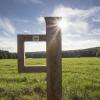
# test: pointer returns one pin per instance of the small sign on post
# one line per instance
(54, 65)
(36, 38)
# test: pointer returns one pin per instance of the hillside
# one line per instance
(90, 52)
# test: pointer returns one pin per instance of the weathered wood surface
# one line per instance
(54, 69)
(54, 64)
(21, 55)
(35, 69)
(20, 50)
(30, 37)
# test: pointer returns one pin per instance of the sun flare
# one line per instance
(62, 24)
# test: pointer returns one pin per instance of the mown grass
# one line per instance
(81, 80)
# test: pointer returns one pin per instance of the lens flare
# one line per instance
(62, 24)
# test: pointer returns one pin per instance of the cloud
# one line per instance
(4, 34)
(69, 45)
(75, 12)
(7, 26)
(7, 35)
(21, 20)
(35, 46)
(8, 44)
(96, 31)
(96, 20)
(80, 31)
(41, 20)
(36, 1)
(31, 1)
(76, 19)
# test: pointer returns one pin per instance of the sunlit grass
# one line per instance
(81, 80)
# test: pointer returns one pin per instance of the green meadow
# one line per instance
(80, 80)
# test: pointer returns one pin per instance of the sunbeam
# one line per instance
(62, 24)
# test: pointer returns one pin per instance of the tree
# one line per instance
(1, 55)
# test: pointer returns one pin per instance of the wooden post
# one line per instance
(20, 50)
(54, 69)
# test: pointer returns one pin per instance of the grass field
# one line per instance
(81, 80)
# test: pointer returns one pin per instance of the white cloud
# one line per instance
(21, 20)
(7, 35)
(4, 34)
(75, 12)
(31, 1)
(96, 20)
(95, 31)
(8, 44)
(74, 18)
(35, 46)
(41, 20)
(36, 1)
(72, 45)
(66, 12)
(6, 25)
(78, 32)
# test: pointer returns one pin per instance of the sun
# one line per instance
(62, 24)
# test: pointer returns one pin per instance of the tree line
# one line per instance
(7, 55)
(91, 52)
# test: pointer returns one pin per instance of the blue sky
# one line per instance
(82, 19)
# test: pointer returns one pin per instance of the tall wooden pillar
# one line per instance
(54, 67)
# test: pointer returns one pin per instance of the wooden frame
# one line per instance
(21, 56)
(54, 62)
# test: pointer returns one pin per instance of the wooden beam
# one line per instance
(34, 69)
(20, 50)
(31, 37)
(54, 67)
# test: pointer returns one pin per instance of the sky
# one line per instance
(81, 22)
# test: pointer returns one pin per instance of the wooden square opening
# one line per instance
(35, 53)
(21, 54)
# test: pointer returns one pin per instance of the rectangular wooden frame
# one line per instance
(21, 56)
(54, 62)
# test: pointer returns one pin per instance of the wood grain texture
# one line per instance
(21, 55)
(54, 67)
